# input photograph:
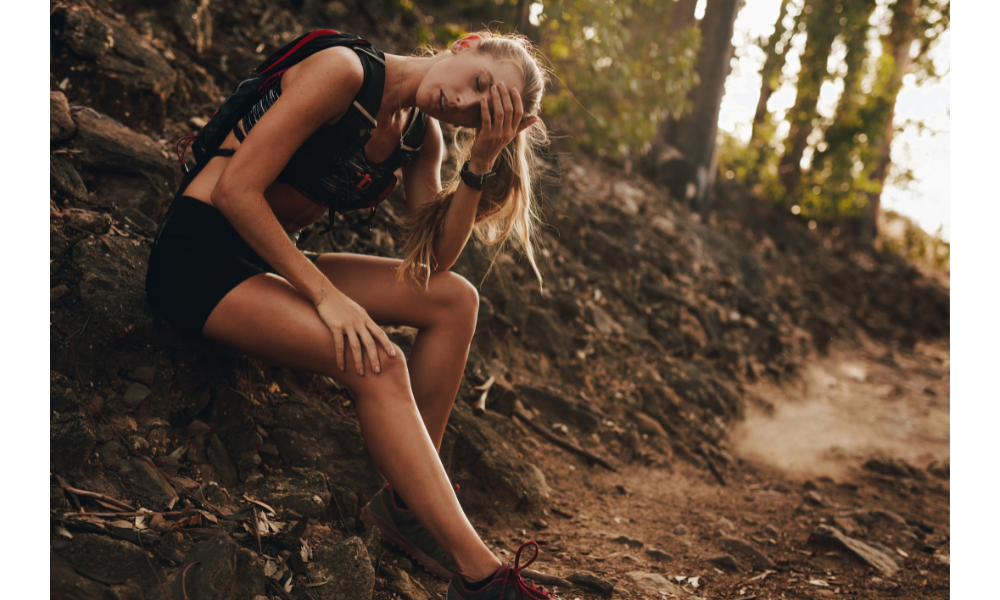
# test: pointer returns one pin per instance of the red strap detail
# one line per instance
(177, 147)
(385, 194)
(302, 42)
(270, 80)
(365, 182)
(522, 587)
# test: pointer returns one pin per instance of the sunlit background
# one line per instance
(921, 146)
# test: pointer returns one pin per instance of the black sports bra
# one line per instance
(324, 170)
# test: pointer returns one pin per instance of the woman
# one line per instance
(224, 265)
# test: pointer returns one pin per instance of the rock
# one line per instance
(658, 554)
(86, 33)
(725, 562)
(828, 536)
(61, 125)
(771, 531)
(135, 393)
(87, 220)
(814, 498)
(632, 559)
(214, 577)
(218, 457)
(300, 489)
(66, 584)
(348, 568)
(71, 440)
(143, 375)
(104, 144)
(245, 441)
(541, 524)
(894, 467)
(112, 561)
(404, 586)
(656, 585)
(745, 548)
(680, 530)
(559, 407)
(603, 321)
(136, 220)
(726, 525)
(624, 539)
(869, 518)
(150, 483)
(543, 331)
(940, 469)
(649, 426)
(588, 580)
(372, 539)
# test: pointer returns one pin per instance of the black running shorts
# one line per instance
(197, 259)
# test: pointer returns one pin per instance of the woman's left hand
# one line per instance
(499, 128)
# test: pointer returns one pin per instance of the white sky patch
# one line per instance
(928, 199)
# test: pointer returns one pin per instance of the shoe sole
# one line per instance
(391, 535)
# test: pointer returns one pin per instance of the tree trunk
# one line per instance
(694, 136)
(822, 27)
(523, 24)
(681, 17)
(771, 69)
(897, 45)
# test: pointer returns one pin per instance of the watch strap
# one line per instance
(474, 180)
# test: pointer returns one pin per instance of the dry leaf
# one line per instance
(259, 503)
(317, 584)
(275, 389)
(170, 505)
(208, 516)
(108, 506)
(693, 581)
(288, 585)
(63, 532)
(123, 523)
(819, 582)
(139, 522)
(270, 568)
(176, 454)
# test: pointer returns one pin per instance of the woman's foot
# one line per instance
(505, 584)
(400, 528)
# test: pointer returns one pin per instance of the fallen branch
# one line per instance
(525, 418)
(480, 406)
(97, 496)
(111, 515)
(549, 580)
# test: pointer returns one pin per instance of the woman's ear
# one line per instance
(470, 41)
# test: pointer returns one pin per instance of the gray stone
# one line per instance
(150, 483)
(300, 489)
(828, 536)
(111, 561)
(61, 125)
(658, 554)
(745, 548)
(588, 580)
(655, 585)
(624, 539)
(814, 498)
(725, 562)
(65, 181)
(135, 394)
(144, 375)
(403, 585)
(214, 577)
(348, 569)
(680, 530)
(219, 458)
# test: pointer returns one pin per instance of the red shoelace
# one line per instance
(524, 588)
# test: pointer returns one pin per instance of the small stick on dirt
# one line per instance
(256, 530)
(97, 496)
(280, 590)
(480, 406)
(148, 562)
(184, 579)
(549, 580)
(526, 419)
(111, 515)
(72, 497)
(340, 512)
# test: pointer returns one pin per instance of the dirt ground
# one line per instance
(813, 440)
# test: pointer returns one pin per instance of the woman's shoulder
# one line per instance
(338, 67)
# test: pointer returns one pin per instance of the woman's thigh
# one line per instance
(371, 282)
(267, 318)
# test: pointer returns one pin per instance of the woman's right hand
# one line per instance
(345, 317)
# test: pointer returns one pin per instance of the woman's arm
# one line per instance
(318, 90)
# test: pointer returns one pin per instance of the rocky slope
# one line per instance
(642, 348)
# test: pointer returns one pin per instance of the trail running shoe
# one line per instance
(400, 528)
(507, 583)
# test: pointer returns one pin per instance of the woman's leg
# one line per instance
(444, 313)
(267, 318)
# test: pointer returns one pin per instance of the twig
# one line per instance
(280, 590)
(542, 578)
(526, 419)
(111, 515)
(73, 335)
(184, 579)
(148, 562)
(256, 529)
(72, 497)
(340, 512)
(97, 496)
(480, 406)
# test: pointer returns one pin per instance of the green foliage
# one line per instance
(902, 236)
(616, 75)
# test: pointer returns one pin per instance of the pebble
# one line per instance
(727, 525)
(632, 559)
(725, 562)
(144, 375)
(621, 489)
(771, 531)
(541, 524)
(658, 554)
(812, 497)
(680, 530)
(135, 394)
(624, 539)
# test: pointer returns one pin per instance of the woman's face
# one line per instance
(452, 89)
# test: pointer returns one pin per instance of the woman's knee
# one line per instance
(459, 299)
(392, 375)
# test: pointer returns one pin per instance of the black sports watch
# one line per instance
(474, 180)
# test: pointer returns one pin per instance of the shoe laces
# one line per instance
(522, 586)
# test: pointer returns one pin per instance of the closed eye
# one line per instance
(477, 84)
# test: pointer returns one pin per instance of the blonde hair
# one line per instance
(506, 208)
